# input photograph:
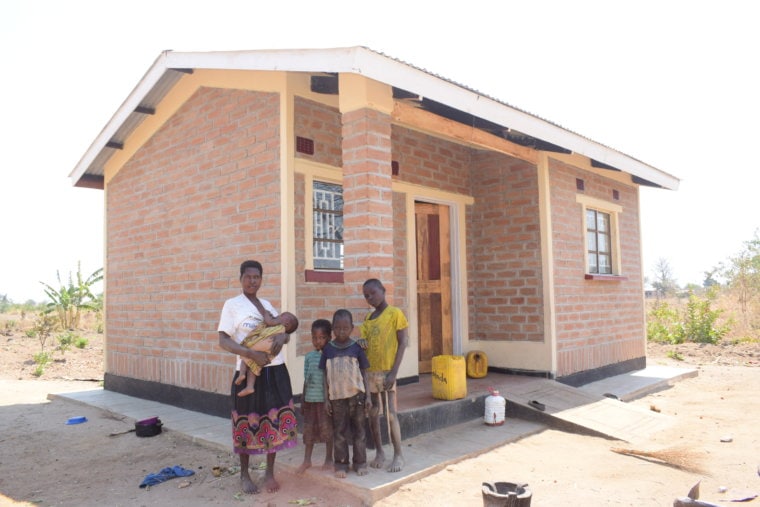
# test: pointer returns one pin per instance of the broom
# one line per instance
(676, 457)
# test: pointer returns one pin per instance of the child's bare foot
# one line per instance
(304, 466)
(362, 471)
(340, 474)
(246, 391)
(240, 379)
(397, 464)
(247, 485)
(379, 460)
(271, 485)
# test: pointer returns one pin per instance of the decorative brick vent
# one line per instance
(304, 145)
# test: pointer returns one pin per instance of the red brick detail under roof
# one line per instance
(322, 125)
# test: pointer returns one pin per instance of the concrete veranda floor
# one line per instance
(588, 409)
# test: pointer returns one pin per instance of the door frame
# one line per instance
(431, 255)
(457, 204)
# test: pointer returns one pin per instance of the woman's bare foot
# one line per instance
(304, 466)
(379, 460)
(362, 471)
(340, 474)
(271, 485)
(246, 391)
(397, 464)
(327, 465)
(247, 484)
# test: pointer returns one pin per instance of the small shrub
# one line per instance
(43, 327)
(81, 342)
(663, 324)
(31, 333)
(700, 322)
(674, 354)
(41, 358)
(66, 340)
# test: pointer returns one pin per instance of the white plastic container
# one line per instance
(495, 407)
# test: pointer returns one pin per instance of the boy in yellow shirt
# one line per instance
(384, 332)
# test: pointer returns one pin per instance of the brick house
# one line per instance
(492, 229)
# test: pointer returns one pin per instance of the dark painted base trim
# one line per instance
(190, 399)
(517, 371)
(588, 376)
(408, 380)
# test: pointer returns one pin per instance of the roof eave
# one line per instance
(363, 61)
(147, 83)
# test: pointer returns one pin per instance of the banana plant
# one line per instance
(72, 298)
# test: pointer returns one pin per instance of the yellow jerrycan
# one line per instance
(477, 364)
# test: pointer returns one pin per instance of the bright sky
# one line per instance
(673, 84)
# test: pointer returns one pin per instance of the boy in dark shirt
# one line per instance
(346, 383)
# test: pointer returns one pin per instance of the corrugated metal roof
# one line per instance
(473, 90)
(170, 66)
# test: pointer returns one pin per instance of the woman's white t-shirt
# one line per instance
(240, 317)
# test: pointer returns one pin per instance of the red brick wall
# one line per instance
(504, 246)
(197, 199)
(321, 124)
(431, 162)
(598, 322)
(368, 203)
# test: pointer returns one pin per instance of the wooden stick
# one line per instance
(388, 417)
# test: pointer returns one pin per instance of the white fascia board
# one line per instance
(398, 74)
(286, 60)
(360, 60)
(134, 99)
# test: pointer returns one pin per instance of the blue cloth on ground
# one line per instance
(164, 475)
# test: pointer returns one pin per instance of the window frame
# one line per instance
(613, 211)
(328, 174)
(314, 239)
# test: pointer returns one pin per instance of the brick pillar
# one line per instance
(367, 204)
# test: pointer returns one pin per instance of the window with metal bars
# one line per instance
(598, 242)
(328, 225)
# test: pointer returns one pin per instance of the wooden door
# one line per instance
(433, 283)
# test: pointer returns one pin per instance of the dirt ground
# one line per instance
(715, 440)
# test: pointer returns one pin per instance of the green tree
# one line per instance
(710, 280)
(72, 298)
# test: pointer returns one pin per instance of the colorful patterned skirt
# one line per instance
(265, 421)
